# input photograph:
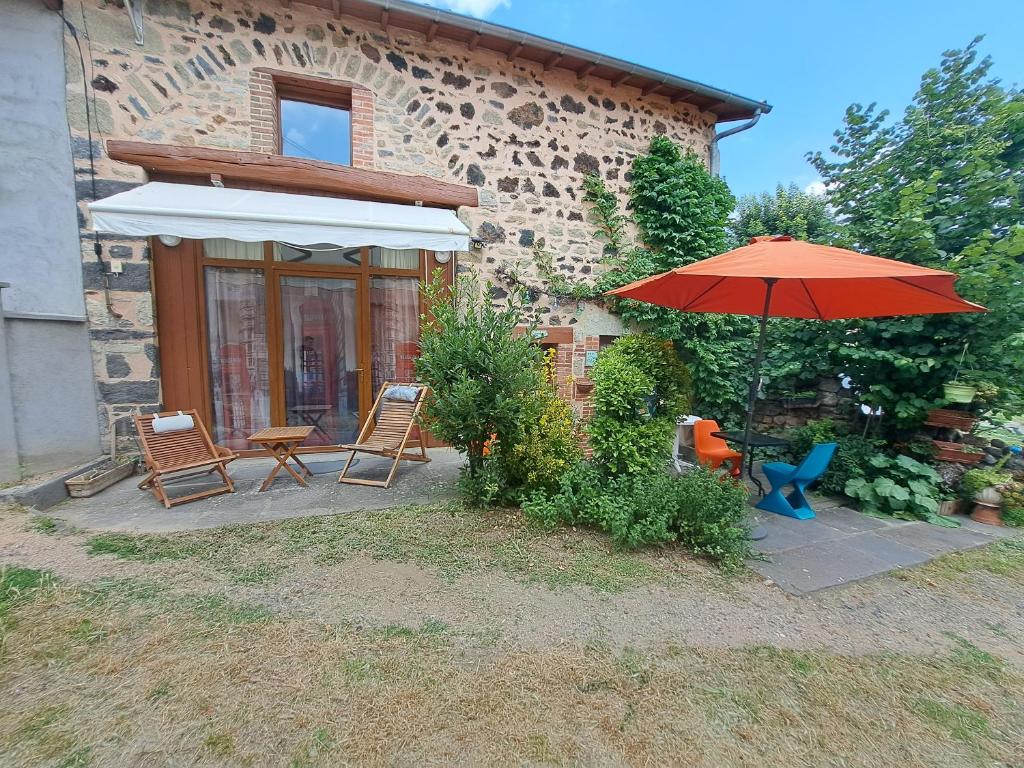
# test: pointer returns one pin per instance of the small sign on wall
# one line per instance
(590, 358)
(577, 366)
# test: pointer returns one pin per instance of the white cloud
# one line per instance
(481, 9)
(815, 188)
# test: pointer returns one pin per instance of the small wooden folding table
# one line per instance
(283, 442)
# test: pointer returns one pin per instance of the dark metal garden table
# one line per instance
(757, 440)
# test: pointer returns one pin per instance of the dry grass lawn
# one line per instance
(171, 666)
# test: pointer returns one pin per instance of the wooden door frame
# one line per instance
(181, 314)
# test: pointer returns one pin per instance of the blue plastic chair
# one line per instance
(780, 475)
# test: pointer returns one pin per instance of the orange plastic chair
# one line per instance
(714, 451)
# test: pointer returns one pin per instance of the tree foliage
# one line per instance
(941, 187)
(789, 211)
(483, 376)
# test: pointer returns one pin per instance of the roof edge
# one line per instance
(526, 38)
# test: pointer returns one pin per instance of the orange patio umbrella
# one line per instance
(783, 277)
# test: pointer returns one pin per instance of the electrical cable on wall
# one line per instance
(97, 247)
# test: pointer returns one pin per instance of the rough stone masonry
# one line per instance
(524, 136)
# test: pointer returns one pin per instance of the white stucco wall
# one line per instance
(45, 362)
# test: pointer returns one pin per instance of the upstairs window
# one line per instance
(316, 120)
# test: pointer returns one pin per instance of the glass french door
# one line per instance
(236, 322)
(305, 336)
(320, 338)
(394, 329)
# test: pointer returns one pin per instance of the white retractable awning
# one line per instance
(193, 212)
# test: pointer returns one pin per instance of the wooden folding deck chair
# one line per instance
(179, 455)
(387, 432)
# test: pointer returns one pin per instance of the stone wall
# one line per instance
(831, 401)
(525, 137)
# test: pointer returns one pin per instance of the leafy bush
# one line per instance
(853, 453)
(702, 510)
(482, 374)
(550, 446)
(712, 517)
(901, 487)
(1013, 505)
(976, 480)
(640, 386)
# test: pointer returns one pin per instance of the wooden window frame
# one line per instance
(185, 265)
(319, 92)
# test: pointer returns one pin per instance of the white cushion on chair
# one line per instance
(408, 394)
(177, 423)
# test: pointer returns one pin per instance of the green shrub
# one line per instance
(550, 446)
(976, 480)
(704, 511)
(640, 386)
(484, 377)
(852, 455)
(712, 517)
(901, 487)
(1013, 505)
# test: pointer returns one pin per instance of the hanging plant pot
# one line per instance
(955, 392)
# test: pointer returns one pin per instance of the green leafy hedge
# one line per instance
(702, 510)
(640, 386)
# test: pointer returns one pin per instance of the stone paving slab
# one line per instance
(123, 507)
(936, 540)
(804, 570)
(842, 546)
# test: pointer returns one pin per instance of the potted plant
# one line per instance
(981, 487)
(988, 506)
(956, 391)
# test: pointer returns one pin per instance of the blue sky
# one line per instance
(808, 58)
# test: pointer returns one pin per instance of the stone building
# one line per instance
(207, 123)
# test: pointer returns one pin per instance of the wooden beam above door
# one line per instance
(255, 170)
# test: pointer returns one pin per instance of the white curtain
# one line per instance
(221, 248)
(391, 258)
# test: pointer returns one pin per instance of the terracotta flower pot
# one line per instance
(989, 514)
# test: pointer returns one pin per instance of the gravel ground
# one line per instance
(490, 608)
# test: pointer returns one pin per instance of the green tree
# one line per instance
(940, 187)
(483, 376)
(789, 211)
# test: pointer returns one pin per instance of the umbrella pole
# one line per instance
(756, 380)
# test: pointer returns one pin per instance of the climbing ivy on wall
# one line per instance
(680, 211)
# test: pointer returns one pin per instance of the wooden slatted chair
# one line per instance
(181, 454)
(388, 432)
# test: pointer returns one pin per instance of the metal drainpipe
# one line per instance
(713, 156)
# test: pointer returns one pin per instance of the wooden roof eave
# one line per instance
(435, 23)
(253, 169)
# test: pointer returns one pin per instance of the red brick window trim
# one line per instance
(268, 87)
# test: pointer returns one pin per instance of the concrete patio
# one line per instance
(123, 507)
(841, 545)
